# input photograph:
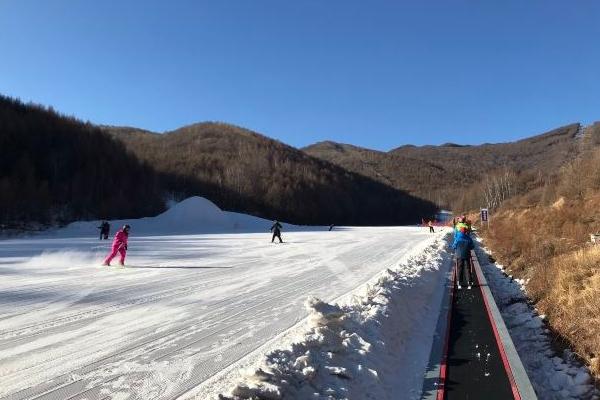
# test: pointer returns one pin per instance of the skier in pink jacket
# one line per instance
(119, 246)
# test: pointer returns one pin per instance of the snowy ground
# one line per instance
(373, 344)
(553, 376)
(187, 308)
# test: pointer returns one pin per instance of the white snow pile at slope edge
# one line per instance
(192, 215)
(353, 349)
(552, 377)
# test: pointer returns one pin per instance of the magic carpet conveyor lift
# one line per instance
(473, 356)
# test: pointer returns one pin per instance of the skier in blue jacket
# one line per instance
(462, 245)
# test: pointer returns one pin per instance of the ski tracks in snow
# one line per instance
(190, 306)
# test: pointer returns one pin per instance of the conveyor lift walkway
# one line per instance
(473, 357)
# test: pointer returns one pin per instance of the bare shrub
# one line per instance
(548, 244)
(571, 300)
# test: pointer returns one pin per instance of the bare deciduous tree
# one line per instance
(498, 187)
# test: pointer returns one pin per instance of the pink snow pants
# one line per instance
(116, 249)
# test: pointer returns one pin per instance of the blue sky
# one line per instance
(377, 74)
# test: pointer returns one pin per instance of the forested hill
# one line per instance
(244, 171)
(55, 169)
(451, 175)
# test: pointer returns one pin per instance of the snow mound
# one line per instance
(194, 212)
(347, 350)
(192, 215)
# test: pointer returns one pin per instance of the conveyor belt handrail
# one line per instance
(520, 383)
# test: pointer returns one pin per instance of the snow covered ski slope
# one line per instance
(184, 309)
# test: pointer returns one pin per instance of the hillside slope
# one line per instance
(556, 260)
(434, 172)
(56, 169)
(243, 171)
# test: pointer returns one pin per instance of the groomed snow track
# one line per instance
(188, 307)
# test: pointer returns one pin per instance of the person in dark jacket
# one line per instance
(104, 230)
(462, 245)
(276, 229)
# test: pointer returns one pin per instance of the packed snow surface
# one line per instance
(372, 345)
(191, 310)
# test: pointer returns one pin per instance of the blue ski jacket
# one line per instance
(462, 245)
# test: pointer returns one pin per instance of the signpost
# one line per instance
(485, 217)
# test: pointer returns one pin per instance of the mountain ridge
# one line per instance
(245, 171)
(431, 172)
(242, 170)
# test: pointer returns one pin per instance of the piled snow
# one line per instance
(192, 215)
(553, 377)
(374, 344)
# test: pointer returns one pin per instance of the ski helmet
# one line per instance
(126, 227)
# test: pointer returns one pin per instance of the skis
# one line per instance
(114, 266)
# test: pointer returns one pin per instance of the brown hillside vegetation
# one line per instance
(544, 237)
(434, 172)
(58, 169)
(243, 171)
(55, 169)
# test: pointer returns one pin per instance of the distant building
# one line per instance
(443, 216)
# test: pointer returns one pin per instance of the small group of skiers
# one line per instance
(119, 244)
(462, 245)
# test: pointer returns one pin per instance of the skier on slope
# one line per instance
(119, 246)
(104, 230)
(462, 245)
(276, 229)
(462, 223)
(430, 224)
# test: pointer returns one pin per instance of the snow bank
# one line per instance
(373, 345)
(553, 376)
(192, 215)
